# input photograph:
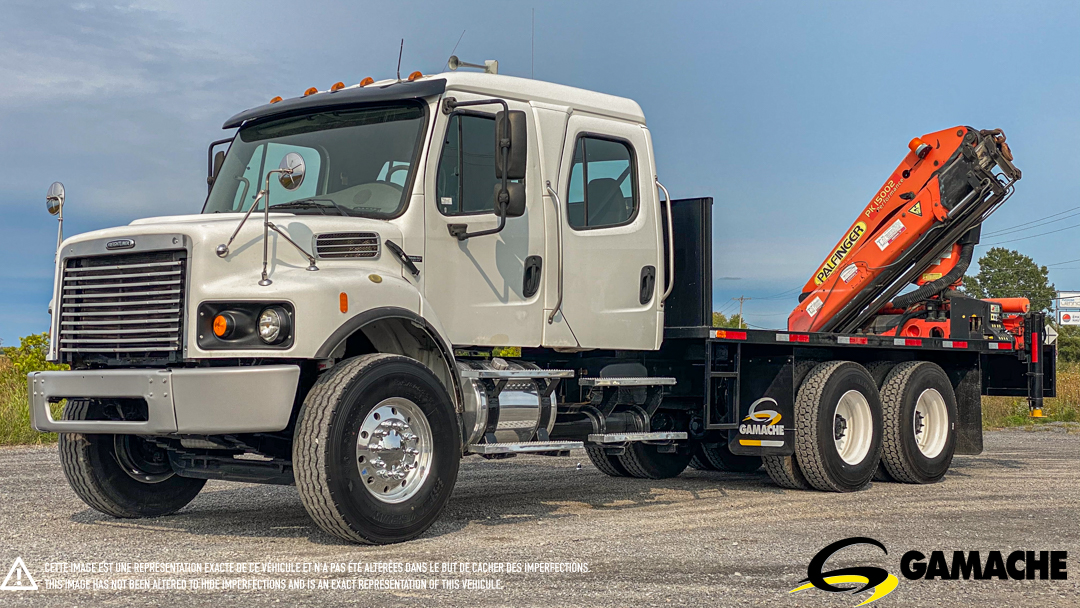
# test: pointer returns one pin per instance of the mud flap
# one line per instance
(766, 408)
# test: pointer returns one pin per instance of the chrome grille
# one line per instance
(347, 245)
(123, 305)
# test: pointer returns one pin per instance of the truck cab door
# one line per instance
(612, 245)
(485, 290)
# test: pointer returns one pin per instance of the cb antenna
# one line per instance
(400, 51)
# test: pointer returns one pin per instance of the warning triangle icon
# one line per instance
(18, 578)
(916, 209)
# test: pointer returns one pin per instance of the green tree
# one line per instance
(29, 356)
(1068, 343)
(1005, 273)
(734, 321)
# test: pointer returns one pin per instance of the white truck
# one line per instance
(331, 320)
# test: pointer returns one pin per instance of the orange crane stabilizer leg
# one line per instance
(920, 228)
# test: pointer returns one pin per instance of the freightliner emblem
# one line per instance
(120, 244)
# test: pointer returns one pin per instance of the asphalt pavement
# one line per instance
(538, 531)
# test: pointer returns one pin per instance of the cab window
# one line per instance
(603, 188)
(465, 182)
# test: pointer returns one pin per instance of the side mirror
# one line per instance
(54, 199)
(511, 127)
(292, 171)
(515, 206)
(219, 159)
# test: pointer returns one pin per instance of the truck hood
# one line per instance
(211, 230)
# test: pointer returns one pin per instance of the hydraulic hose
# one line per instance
(935, 287)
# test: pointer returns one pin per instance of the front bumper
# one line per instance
(201, 401)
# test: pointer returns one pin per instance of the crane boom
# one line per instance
(921, 228)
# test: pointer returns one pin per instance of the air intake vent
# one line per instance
(122, 306)
(347, 245)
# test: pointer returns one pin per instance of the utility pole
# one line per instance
(741, 299)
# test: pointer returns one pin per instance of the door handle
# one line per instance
(648, 284)
(530, 283)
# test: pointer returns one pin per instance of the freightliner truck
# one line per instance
(338, 316)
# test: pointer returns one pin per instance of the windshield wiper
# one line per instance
(312, 203)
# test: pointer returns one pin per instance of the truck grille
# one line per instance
(347, 245)
(125, 306)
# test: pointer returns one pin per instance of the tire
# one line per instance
(606, 463)
(878, 371)
(699, 464)
(718, 457)
(918, 392)
(352, 442)
(94, 471)
(837, 458)
(784, 470)
(647, 462)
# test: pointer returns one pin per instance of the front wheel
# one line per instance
(125, 476)
(377, 449)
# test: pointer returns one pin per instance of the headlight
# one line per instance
(273, 325)
(245, 325)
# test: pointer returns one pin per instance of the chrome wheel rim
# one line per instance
(930, 423)
(394, 450)
(853, 427)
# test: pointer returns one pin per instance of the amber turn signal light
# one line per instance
(311, 91)
(367, 81)
(414, 76)
(337, 87)
(224, 325)
(276, 99)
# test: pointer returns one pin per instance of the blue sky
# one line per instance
(790, 114)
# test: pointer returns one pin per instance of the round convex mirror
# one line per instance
(54, 199)
(292, 171)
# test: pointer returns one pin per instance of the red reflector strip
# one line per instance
(1000, 346)
(954, 344)
(1035, 347)
(792, 337)
(907, 342)
(730, 335)
(851, 340)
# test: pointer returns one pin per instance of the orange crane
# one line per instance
(920, 228)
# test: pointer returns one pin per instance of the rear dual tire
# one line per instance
(717, 457)
(838, 427)
(919, 408)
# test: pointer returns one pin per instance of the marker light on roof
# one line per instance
(311, 91)
(367, 81)
(337, 86)
(414, 76)
(276, 99)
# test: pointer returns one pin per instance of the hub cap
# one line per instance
(394, 449)
(141, 460)
(853, 427)
(930, 423)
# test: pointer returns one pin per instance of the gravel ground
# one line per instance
(701, 539)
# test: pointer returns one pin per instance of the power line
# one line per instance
(1013, 230)
(1003, 230)
(1024, 238)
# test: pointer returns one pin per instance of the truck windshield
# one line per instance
(359, 162)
